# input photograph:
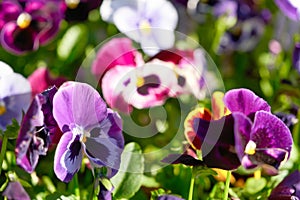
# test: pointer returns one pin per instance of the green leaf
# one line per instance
(12, 130)
(73, 43)
(129, 178)
(203, 171)
(254, 185)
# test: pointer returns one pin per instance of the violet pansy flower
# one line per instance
(15, 95)
(26, 26)
(291, 8)
(38, 130)
(149, 23)
(89, 128)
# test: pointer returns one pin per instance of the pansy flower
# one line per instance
(141, 87)
(15, 190)
(291, 8)
(38, 130)
(149, 23)
(41, 79)
(250, 133)
(15, 96)
(89, 128)
(27, 25)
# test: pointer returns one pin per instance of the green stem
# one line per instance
(296, 130)
(227, 183)
(3, 150)
(76, 186)
(191, 191)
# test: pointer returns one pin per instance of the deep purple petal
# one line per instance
(68, 156)
(33, 140)
(182, 159)
(104, 193)
(17, 40)
(169, 197)
(78, 103)
(289, 188)
(242, 130)
(244, 101)
(9, 10)
(218, 142)
(268, 131)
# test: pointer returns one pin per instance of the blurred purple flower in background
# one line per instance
(151, 24)
(15, 96)
(89, 128)
(296, 57)
(291, 8)
(38, 131)
(15, 190)
(28, 24)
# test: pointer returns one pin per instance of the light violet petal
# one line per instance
(289, 8)
(109, 7)
(127, 21)
(78, 103)
(14, 84)
(68, 156)
(244, 101)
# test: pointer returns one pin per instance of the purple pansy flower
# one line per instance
(169, 197)
(38, 130)
(251, 135)
(291, 8)
(15, 95)
(289, 188)
(296, 57)
(149, 23)
(89, 128)
(27, 25)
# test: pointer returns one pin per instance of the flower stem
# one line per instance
(3, 150)
(191, 191)
(76, 186)
(227, 183)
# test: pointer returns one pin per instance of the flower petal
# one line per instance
(78, 103)
(106, 143)
(5, 69)
(242, 131)
(244, 101)
(68, 156)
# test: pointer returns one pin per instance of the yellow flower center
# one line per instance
(145, 27)
(2, 108)
(140, 81)
(72, 4)
(250, 148)
(24, 20)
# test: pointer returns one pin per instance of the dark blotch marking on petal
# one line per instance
(151, 81)
(240, 100)
(65, 128)
(95, 132)
(126, 82)
(75, 148)
(181, 81)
